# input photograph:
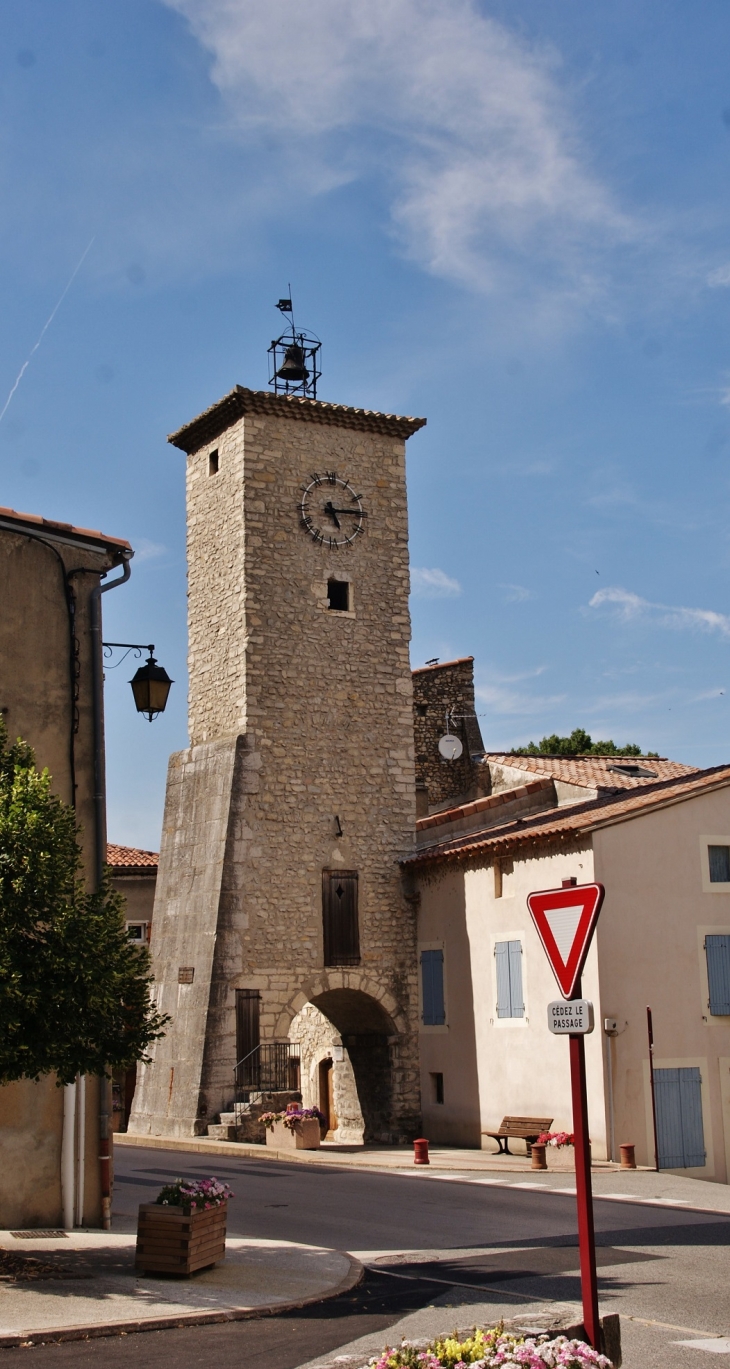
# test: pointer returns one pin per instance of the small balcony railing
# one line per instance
(273, 1067)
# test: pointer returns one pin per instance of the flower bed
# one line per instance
(493, 1348)
(194, 1193)
(296, 1129)
(290, 1118)
(556, 1138)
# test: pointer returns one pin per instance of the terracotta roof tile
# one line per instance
(570, 824)
(595, 772)
(239, 401)
(52, 527)
(130, 858)
(489, 802)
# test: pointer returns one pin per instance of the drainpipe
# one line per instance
(80, 1146)
(67, 1156)
(97, 671)
(97, 666)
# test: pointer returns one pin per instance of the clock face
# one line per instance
(331, 511)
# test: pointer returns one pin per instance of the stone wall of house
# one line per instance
(439, 690)
(323, 778)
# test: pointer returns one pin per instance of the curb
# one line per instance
(351, 1159)
(244, 1151)
(55, 1335)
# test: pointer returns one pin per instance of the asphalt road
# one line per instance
(479, 1251)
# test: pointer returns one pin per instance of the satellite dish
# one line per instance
(450, 747)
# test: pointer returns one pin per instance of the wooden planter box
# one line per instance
(176, 1240)
(305, 1135)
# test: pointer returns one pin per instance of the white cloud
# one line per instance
(516, 594)
(144, 550)
(719, 277)
(629, 606)
(512, 701)
(465, 120)
(433, 584)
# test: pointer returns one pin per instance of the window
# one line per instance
(680, 1132)
(432, 988)
(508, 955)
(437, 1088)
(213, 462)
(137, 931)
(717, 950)
(338, 594)
(719, 858)
(339, 917)
(421, 710)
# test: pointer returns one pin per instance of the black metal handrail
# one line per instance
(272, 1067)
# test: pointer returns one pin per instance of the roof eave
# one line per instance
(547, 836)
(239, 401)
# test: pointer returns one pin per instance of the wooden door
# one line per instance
(327, 1097)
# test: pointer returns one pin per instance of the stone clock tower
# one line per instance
(279, 896)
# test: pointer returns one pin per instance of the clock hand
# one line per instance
(357, 513)
(328, 508)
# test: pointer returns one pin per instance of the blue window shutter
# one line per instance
(680, 1132)
(719, 858)
(517, 1006)
(432, 981)
(693, 1133)
(504, 997)
(717, 949)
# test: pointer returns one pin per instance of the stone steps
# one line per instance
(243, 1124)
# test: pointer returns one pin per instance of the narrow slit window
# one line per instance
(432, 988)
(213, 462)
(437, 1087)
(338, 595)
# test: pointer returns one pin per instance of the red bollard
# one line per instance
(628, 1157)
(420, 1148)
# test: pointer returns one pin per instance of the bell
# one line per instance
(293, 369)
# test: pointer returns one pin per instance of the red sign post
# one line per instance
(565, 920)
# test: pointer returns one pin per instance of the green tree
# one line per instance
(74, 991)
(579, 743)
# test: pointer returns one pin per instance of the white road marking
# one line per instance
(719, 1345)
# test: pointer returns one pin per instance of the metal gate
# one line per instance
(680, 1133)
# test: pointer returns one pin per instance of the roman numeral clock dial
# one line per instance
(331, 512)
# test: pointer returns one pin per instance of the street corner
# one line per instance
(85, 1285)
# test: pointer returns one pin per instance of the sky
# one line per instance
(513, 219)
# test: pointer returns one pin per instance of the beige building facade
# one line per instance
(659, 842)
(50, 575)
(279, 887)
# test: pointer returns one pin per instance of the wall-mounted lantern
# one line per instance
(151, 683)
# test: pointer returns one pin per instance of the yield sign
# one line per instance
(565, 920)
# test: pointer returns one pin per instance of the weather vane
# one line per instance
(295, 357)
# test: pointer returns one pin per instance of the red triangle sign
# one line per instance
(565, 920)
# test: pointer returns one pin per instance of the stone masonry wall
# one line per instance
(325, 701)
(439, 689)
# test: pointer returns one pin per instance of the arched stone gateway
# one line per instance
(349, 1019)
(349, 1047)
